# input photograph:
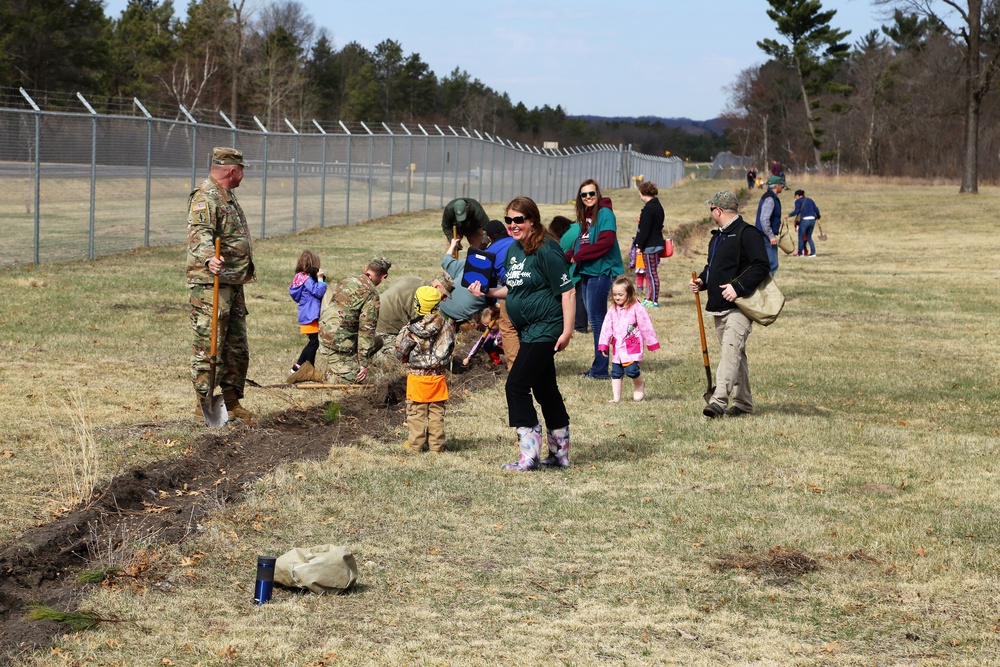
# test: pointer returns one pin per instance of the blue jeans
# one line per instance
(632, 370)
(806, 236)
(772, 255)
(595, 298)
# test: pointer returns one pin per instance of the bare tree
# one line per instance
(977, 37)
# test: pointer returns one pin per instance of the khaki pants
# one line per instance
(508, 334)
(732, 378)
(426, 422)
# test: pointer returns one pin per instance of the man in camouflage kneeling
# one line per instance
(214, 212)
(347, 322)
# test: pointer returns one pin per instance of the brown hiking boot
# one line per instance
(305, 373)
(235, 410)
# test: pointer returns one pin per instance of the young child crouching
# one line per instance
(626, 329)
(425, 345)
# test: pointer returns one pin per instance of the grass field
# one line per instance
(851, 521)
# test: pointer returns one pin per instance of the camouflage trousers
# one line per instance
(343, 366)
(232, 350)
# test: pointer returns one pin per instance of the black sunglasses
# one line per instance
(592, 193)
(516, 220)
(713, 209)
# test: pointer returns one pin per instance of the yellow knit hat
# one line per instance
(426, 300)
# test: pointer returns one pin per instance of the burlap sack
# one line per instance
(321, 569)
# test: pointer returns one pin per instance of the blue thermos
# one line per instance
(265, 579)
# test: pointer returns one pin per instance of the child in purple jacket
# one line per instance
(307, 290)
(626, 329)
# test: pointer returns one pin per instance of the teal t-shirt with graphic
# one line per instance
(535, 284)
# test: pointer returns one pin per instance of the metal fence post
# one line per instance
(371, 159)
(231, 125)
(392, 162)
(347, 195)
(441, 134)
(427, 150)
(263, 184)
(409, 165)
(295, 179)
(93, 171)
(194, 145)
(149, 164)
(322, 178)
(38, 165)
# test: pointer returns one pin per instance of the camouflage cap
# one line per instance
(224, 155)
(459, 207)
(447, 282)
(725, 200)
(776, 180)
(382, 263)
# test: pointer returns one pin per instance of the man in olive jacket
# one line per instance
(737, 264)
(214, 212)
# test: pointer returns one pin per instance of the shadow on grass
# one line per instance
(797, 409)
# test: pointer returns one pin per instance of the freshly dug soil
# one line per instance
(169, 498)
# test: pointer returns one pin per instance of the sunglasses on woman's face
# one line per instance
(516, 220)
(588, 195)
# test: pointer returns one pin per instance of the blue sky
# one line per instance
(671, 58)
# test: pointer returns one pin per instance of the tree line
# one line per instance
(271, 61)
(915, 98)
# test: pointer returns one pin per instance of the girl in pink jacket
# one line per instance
(626, 329)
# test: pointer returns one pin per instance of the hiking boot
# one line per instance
(305, 373)
(712, 411)
(235, 410)
(734, 411)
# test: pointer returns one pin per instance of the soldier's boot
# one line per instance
(305, 373)
(235, 410)
(199, 414)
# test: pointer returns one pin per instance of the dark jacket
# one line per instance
(744, 266)
(775, 212)
(650, 232)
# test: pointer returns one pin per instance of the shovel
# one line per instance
(704, 345)
(454, 235)
(212, 406)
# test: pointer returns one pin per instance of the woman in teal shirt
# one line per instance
(598, 261)
(541, 304)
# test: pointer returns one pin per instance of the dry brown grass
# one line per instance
(873, 455)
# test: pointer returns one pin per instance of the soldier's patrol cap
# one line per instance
(447, 282)
(224, 155)
(382, 263)
(725, 200)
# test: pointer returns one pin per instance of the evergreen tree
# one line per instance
(814, 51)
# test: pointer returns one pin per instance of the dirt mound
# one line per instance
(168, 499)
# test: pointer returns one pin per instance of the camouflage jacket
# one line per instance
(213, 211)
(426, 344)
(349, 316)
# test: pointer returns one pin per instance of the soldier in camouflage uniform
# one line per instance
(347, 322)
(213, 212)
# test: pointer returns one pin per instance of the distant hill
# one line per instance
(696, 127)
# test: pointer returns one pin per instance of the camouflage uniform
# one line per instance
(214, 211)
(425, 346)
(347, 322)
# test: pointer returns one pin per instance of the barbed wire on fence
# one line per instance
(79, 184)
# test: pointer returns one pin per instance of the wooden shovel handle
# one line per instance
(454, 235)
(215, 306)
(701, 324)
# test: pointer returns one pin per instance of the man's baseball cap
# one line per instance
(495, 230)
(725, 200)
(224, 155)
(776, 180)
(459, 207)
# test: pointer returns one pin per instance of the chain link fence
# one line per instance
(80, 185)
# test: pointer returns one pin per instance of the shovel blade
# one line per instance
(707, 395)
(214, 409)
